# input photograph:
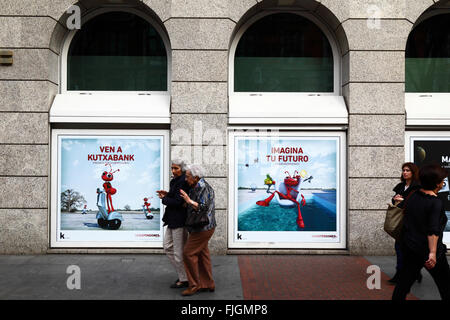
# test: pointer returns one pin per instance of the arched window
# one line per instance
(283, 52)
(428, 56)
(427, 70)
(117, 51)
(285, 68)
(115, 69)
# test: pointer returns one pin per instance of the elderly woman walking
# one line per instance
(197, 260)
(174, 218)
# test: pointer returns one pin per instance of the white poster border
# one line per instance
(287, 239)
(410, 138)
(140, 235)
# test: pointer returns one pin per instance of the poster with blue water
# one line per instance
(287, 189)
(106, 189)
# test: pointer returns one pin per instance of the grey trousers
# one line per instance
(174, 241)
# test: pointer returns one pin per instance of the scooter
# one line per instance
(111, 221)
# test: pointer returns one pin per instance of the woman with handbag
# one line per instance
(421, 239)
(200, 223)
(409, 183)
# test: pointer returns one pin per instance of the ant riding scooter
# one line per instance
(111, 221)
(107, 219)
(146, 208)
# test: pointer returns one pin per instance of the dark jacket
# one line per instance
(400, 189)
(175, 212)
(424, 216)
(203, 194)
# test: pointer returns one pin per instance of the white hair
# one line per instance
(180, 163)
(195, 170)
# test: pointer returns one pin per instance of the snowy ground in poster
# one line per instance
(115, 175)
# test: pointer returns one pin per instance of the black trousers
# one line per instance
(398, 252)
(412, 264)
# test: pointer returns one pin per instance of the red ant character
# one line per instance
(148, 215)
(147, 204)
(109, 190)
(289, 182)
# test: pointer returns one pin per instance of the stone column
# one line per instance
(200, 33)
(374, 89)
(26, 91)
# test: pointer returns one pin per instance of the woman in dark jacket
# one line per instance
(174, 218)
(197, 259)
(423, 229)
(409, 183)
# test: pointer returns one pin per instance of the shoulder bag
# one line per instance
(197, 219)
(393, 222)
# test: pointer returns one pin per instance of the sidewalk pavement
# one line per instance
(237, 277)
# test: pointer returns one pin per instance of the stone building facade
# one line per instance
(370, 36)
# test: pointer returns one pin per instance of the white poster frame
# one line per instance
(410, 137)
(341, 216)
(54, 187)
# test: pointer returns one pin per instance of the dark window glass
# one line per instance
(428, 56)
(283, 52)
(117, 51)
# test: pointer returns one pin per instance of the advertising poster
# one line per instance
(434, 149)
(287, 190)
(106, 189)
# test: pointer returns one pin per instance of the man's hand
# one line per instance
(161, 193)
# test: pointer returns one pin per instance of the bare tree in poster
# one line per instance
(71, 200)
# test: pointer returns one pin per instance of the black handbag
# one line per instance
(196, 219)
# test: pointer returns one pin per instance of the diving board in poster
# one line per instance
(104, 188)
(287, 190)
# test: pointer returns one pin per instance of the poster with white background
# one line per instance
(287, 190)
(433, 147)
(126, 170)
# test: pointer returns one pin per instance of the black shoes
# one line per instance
(419, 277)
(191, 290)
(179, 284)
(395, 278)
